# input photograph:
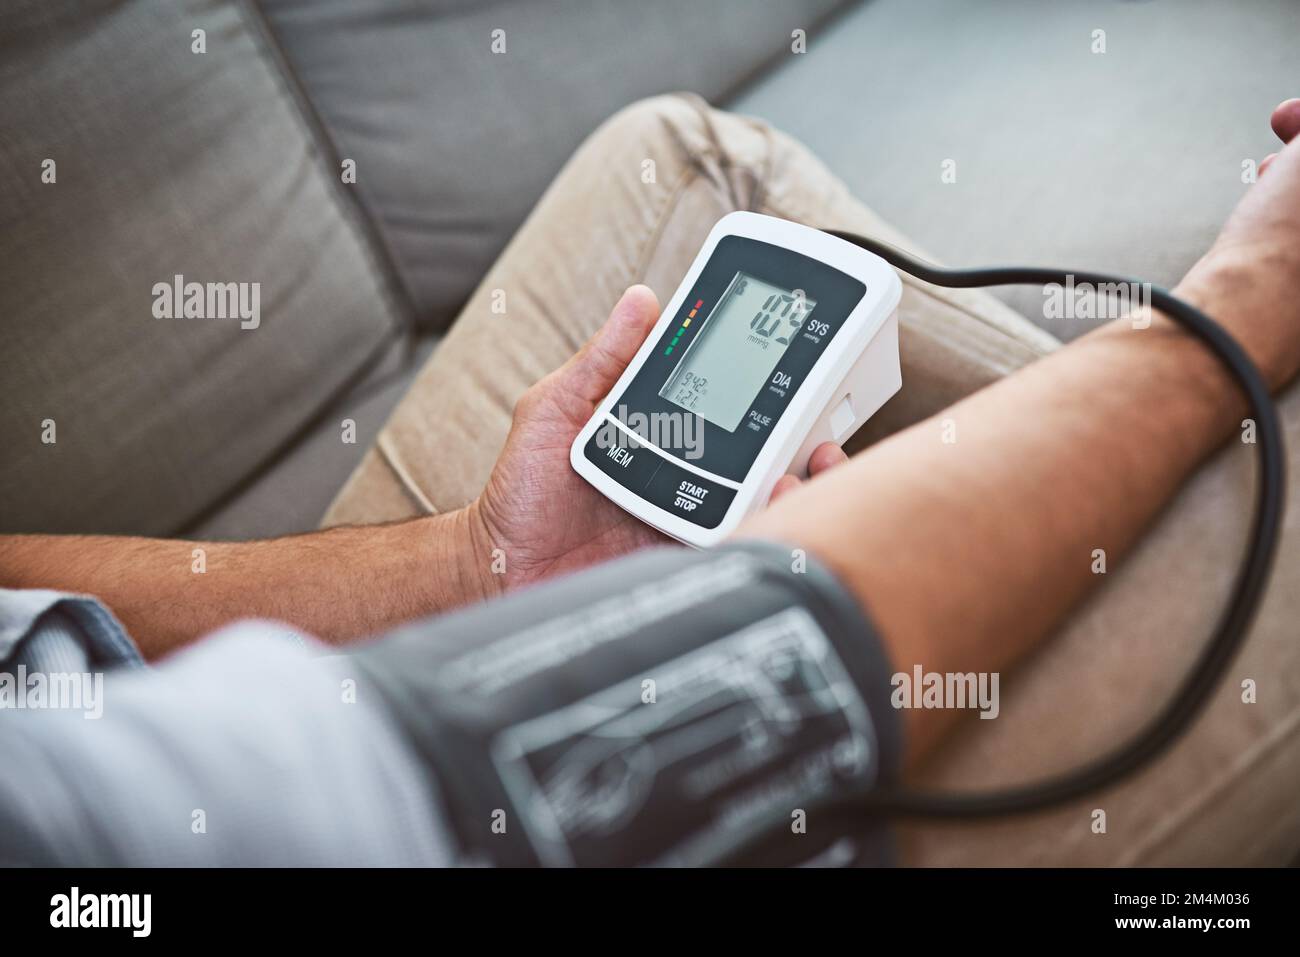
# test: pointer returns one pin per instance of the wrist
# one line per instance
(455, 558)
(482, 553)
(1241, 292)
(1244, 290)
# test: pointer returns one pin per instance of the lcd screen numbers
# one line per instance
(736, 350)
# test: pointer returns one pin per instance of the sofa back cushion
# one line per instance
(131, 154)
(459, 113)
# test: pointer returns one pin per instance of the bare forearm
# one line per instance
(339, 584)
(970, 535)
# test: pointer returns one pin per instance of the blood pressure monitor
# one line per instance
(779, 338)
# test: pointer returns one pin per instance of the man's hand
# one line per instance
(344, 583)
(540, 514)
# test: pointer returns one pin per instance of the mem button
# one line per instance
(693, 497)
(621, 457)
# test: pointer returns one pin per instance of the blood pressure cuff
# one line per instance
(671, 708)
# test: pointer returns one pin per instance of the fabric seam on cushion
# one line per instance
(398, 298)
(1172, 822)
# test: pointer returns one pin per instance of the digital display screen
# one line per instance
(736, 350)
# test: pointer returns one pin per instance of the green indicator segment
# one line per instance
(680, 332)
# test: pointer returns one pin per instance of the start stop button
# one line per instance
(687, 495)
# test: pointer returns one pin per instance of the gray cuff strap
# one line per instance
(662, 709)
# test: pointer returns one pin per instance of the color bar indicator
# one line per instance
(685, 325)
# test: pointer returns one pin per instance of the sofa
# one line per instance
(363, 163)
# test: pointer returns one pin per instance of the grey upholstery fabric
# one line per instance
(454, 143)
(1127, 160)
(292, 496)
(168, 162)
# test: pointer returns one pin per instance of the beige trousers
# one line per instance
(633, 205)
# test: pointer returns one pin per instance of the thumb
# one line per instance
(593, 371)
